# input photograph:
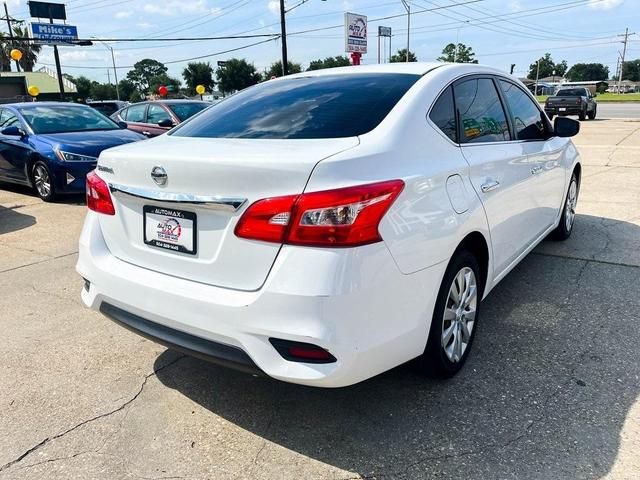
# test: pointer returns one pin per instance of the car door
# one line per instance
(14, 151)
(544, 151)
(135, 116)
(157, 113)
(499, 167)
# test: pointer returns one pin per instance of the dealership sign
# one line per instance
(355, 32)
(53, 34)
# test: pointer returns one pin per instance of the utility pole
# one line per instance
(283, 39)
(408, 9)
(624, 52)
(9, 21)
(537, 75)
(108, 76)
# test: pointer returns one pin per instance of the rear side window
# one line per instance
(480, 112)
(136, 113)
(443, 114)
(328, 106)
(527, 118)
(156, 114)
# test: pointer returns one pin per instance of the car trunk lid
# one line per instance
(185, 226)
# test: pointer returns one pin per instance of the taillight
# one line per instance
(344, 217)
(98, 195)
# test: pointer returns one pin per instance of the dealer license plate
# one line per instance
(170, 229)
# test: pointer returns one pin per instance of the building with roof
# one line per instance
(14, 85)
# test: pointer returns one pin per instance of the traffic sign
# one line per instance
(53, 34)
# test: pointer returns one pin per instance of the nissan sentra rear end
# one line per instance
(213, 239)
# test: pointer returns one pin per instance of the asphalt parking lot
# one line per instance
(551, 390)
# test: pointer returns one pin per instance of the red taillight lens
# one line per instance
(98, 195)
(344, 217)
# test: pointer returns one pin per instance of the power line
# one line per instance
(200, 57)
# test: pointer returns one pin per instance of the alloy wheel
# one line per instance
(459, 314)
(570, 207)
(42, 180)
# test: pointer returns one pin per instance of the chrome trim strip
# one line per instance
(209, 201)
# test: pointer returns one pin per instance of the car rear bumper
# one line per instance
(355, 303)
(574, 110)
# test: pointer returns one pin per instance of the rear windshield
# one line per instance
(187, 110)
(571, 92)
(330, 106)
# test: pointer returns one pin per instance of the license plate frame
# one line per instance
(170, 243)
(562, 109)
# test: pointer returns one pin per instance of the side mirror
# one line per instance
(13, 132)
(166, 123)
(122, 125)
(566, 127)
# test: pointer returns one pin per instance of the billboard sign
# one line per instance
(355, 33)
(384, 31)
(53, 34)
(54, 11)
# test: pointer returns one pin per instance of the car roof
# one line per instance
(23, 105)
(413, 68)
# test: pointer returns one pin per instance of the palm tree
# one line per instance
(5, 58)
(29, 50)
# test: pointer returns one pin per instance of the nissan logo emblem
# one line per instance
(159, 176)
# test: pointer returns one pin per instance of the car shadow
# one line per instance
(11, 220)
(545, 392)
(70, 199)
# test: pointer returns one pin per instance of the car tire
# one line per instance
(582, 115)
(446, 350)
(592, 114)
(42, 181)
(567, 219)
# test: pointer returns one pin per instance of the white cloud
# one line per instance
(179, 7)
(145, 25)
(124, 14)
(515, 6)
(604, 4)
(274, 7)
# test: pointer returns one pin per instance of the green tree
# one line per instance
(329, 62)
(582, 72)
(275, 70)
(459, 53)
(135, 97)
(30, 50)
(631, 70)
(547, 68)
(144, 72)
(198, 73)
(236, 75)
(401, 56)
(5, 58)
(126, 88)
(103, 91)
(83, 86)
(172, 84)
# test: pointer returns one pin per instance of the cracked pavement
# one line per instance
(551, 389)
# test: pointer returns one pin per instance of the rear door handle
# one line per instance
(489, 186)
(536, 170)
(146, 133)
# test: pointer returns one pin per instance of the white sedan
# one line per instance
(327, 226)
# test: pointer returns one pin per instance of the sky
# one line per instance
(501, 32)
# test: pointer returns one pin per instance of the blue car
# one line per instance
(51, 146)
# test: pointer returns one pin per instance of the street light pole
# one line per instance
(283, 39)
(408, 9)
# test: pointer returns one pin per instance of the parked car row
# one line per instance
(51, 146)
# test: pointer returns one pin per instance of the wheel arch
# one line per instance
(476, 243)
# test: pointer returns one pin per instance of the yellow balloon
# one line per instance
(16, 54)
(200, 89)
(33, 91)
